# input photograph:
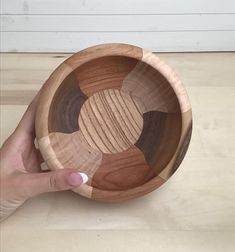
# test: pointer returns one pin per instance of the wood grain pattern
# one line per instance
(84, 190)
(160, 138)
(183, 148)
(71, 151)
(115, 169)
(183, 143)
(65, 106)
(171, 77)
(48, 153)
(120, 115)
(104, 50)
(110, 121)
(104, 73)
(152, 88)
(46, 96)
(118, 196)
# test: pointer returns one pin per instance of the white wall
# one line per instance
(158, 25)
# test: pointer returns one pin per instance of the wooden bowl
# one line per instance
(117, 113)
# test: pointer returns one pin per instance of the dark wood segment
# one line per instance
(160, 138)
(65, 106)
(178, 156)
(104, 73)
(122, 171)
(46, 96)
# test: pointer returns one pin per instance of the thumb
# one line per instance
(58, 180)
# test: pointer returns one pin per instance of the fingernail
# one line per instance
(74, 179)
(84, 177)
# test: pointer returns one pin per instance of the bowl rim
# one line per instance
(103, 50)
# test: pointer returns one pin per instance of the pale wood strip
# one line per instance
(171, 76)
(49, 154)
(84, 190)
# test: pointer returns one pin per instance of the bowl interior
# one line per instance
(126, 115)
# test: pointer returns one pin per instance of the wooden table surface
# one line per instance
(193, 211)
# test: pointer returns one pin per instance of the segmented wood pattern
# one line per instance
(104, 73)
(152, 88)
(115, 169)
(117, 113)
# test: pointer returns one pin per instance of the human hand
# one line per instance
(20, 171)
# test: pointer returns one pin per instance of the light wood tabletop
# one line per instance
(193, 211)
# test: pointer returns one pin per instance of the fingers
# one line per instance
(58, 180)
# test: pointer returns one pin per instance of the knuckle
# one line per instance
(55, 183)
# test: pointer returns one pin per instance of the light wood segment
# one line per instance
(104, 73)
(71, 151)
(110, 121)
(48, 153)
(151, 88)
(84, 190)
(122, 171)
(171, 76)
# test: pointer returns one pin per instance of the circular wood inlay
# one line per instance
(111, 121)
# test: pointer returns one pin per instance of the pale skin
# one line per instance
(20, 172)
